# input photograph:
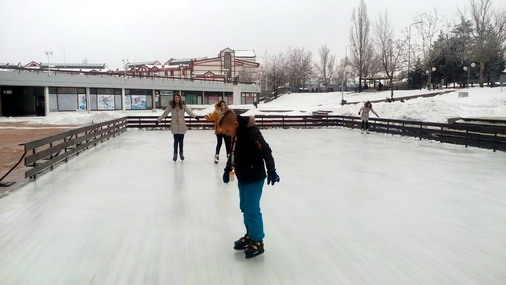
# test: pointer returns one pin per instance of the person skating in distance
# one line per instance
(365, 116)
(219, 108)
(177, 108)
(249, 152)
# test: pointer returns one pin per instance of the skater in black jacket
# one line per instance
(249, 152)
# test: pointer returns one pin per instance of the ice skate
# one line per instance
(254, 249)
(366, 132)
(242, 243)
(174, 157)
(216, 158)
(362, 131)
(181, 156)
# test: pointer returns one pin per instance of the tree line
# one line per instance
(431, 50)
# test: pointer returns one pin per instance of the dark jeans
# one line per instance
(220, 139)
(178, 140)
(365, 125)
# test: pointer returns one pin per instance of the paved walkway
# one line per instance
(350, 209)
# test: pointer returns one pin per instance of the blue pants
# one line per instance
(249, 196)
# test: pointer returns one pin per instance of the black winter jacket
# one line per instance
(251, 151)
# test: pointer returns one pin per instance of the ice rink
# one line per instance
(350, 209)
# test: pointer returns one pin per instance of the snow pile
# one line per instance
(481, 102)
(373, 96)
(84, 118)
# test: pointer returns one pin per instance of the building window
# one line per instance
(247, 98)
(138, 99)
(67, 99)
(105, 99)
(228, 64)
(164, 98)
(229, 98)
(213, 99)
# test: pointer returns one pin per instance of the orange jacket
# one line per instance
(215, 116)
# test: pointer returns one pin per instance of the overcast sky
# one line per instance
(106, 31)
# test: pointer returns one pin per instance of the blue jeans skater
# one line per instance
(249, 196)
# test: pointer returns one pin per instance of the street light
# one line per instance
(344, 71)
(473, 65)
(125, 64)
(409, 45)
(429, 72)
(48, 53)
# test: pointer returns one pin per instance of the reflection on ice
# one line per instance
(351, 209)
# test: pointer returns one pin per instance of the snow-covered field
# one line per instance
(482, 102)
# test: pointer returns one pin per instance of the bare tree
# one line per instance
(326, 64)
(276, 72)
(299, 67)
(388, 50)
(489, 33)
(359, 36)
(431, 27)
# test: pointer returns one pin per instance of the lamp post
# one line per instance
(125, 64)
(344, 72)
(409, 46)
(473, 65)
(429, 72)
(48, 54)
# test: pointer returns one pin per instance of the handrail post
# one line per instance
(496, 142)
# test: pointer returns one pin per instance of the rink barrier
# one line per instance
(477, 135)
(46, 153)
(141, 122)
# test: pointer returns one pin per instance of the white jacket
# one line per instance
(364, 111)
(177, 122)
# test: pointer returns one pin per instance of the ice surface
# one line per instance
(350, 209)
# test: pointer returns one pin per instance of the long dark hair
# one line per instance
(368, 104)
(174, 104)
(226, 105)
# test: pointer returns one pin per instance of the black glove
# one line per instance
(157, 123)
(272, 177)
(197, 118)
(226, 176)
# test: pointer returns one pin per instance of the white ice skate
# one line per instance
(216, 158)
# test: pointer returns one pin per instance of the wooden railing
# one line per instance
(478, 135)
(46, 153)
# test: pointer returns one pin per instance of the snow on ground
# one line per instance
(482, 102)
(82, 118)
(350, 209)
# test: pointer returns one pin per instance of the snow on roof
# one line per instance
(185, 60)
(75, 65)
(245, 53)
(152, 62)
